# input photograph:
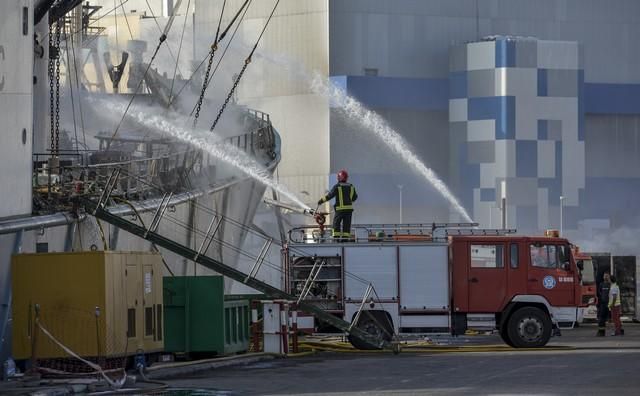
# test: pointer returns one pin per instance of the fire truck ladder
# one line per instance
(100, 211)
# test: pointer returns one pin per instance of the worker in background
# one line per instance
(615, 306)
(603, 304)
(345, 194)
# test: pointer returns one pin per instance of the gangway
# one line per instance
(100, 210)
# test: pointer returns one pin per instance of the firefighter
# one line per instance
(615, 306)
(603, 304)
(345, 194)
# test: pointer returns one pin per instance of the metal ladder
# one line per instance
(100, 211)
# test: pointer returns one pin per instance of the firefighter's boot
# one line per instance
(600, 332)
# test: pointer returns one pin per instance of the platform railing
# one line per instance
(392, 233)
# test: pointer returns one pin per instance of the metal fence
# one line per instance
(79, 172)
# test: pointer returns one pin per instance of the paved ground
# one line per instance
(599, 366)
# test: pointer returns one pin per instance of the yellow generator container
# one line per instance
(97, 304)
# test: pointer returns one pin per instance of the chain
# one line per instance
(235, 85)
(52, 56)
(205, 83)
(57, 76)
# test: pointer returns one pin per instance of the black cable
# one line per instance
(45, 36)
(175, 69)
(115, 18)
(161, 40)
(244, 68)
(265, 28)
(224, 4)
(215, 69)
(212, 52)
(126, 19)
(73, 104)
(75, 68)
(220, 39)
(165, 31)
(233, 35)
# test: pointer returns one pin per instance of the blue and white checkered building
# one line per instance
(516, 113)
(549, 102)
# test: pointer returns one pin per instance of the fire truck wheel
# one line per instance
(375, 323)
(504, 334)
(529, 327)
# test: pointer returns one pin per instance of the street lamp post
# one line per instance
(503, 203)
(561, 207)
(400, 188)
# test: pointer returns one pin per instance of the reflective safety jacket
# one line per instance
(614, 295)
(344, 193)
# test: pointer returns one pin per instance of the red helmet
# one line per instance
(343, 176)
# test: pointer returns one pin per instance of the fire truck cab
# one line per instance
(436, 278)
(588, 307)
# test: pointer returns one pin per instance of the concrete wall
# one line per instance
(519, 103)
(277, 81)
(407, 38)
(377, 173)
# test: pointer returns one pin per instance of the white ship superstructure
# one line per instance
(51, 152)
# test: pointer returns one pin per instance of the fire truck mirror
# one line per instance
(580, 265)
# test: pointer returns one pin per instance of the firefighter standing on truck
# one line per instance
(345, 194)
(603, 304)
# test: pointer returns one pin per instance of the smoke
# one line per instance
(623, 241)
(172, 124)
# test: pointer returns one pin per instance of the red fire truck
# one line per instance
(391, 279)
(584, 262)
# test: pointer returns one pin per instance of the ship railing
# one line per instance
(391, 233)
(73, 172)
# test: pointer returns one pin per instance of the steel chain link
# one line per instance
(51, 97)
(57, 72)
(204, 84)
(233, 89)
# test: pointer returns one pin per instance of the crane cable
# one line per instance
(212, 52)
(77, 78)
(207, 81)
(214, 47)
(207, 56)
(161, 40)
(161, 30)
(70, 81)
(244, 68)
(175, 69)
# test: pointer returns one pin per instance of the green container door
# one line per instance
(197, 319)
(194, 315)
(236, 334)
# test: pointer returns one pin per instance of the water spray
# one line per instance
(371, 121)
(205, 140)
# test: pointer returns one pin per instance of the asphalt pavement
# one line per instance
(589, 366)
